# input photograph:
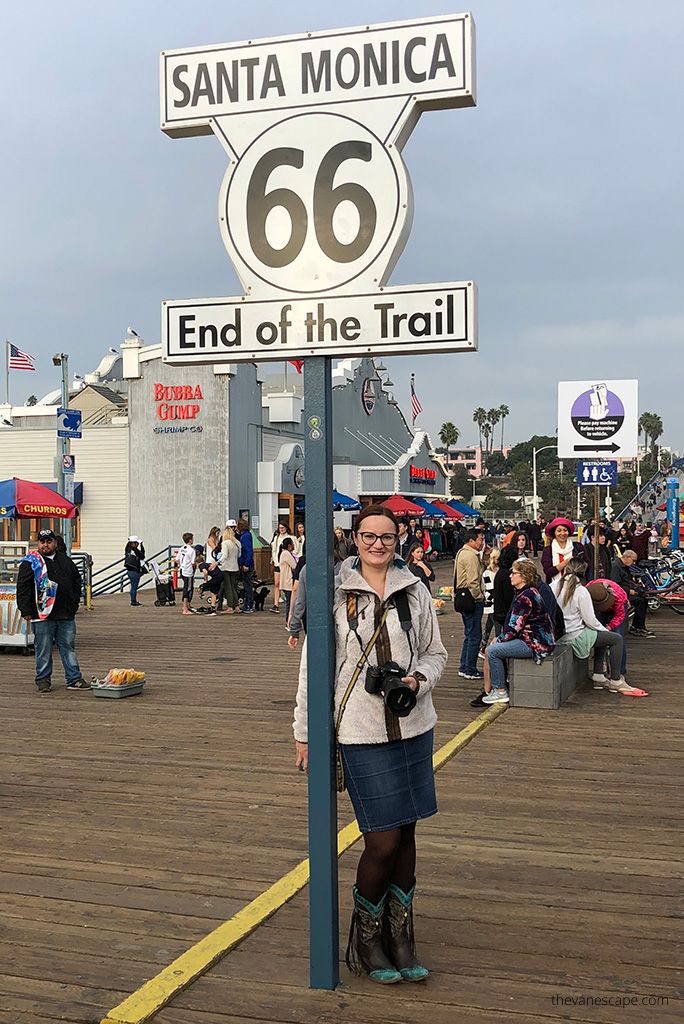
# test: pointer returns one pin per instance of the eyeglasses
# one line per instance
(514, 572)
(386, 539)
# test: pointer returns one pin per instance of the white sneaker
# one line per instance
(599, 681)
(496, 697)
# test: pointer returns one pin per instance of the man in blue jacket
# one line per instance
(246, 563)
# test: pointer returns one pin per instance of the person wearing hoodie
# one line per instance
(382, 614)
(246, 563)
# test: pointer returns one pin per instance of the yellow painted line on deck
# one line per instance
(158, 992)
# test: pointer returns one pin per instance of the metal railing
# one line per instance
(105, 414)
(85, 566)
(113, 578)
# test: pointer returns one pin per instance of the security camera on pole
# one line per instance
(315, 209)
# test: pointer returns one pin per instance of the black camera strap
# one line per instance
(401, 603)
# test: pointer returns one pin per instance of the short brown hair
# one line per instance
(188, 537)
(375, 510)
(527, 569)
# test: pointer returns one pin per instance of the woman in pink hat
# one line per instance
(561, 549)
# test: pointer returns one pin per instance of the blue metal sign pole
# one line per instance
(673, 509)
(320, 639)
(63, 442)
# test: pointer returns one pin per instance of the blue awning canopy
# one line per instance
(460, 507)
(430, 510)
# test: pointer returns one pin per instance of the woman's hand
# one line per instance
(412, 682)
(292, 642)
(302, 759)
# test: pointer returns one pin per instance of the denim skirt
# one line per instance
(390, 784)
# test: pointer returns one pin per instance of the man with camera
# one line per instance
(620, 574)
(470, 601)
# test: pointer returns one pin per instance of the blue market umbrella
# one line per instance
(465, 509)
(430, 510)
(341, 503)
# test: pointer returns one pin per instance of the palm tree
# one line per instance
(643, 421)
(656, 430)
(494, 415)
(652, 426)
(448, 435)
(480, 417)
(504, 411)
(486, 433)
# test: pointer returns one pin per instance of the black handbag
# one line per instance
(464, 602)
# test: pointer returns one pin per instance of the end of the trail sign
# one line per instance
(597, 419)
(316, 203)
(393, 321)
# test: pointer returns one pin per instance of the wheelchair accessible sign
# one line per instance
(597, 474)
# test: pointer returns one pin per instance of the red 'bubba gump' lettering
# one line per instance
(177, 392)
(164, 394)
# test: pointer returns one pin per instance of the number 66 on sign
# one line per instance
(316, 201)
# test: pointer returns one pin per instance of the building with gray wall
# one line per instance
(209, 442)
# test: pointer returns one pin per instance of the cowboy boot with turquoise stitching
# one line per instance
(365, 951)
(397, 934)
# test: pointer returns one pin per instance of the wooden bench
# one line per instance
(547, 685)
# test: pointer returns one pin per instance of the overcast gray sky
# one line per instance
(560, 194)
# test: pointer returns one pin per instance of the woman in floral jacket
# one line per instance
(527, 632)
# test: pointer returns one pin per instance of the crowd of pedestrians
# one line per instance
(530, 608)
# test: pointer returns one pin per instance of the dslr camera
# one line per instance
(400, 700)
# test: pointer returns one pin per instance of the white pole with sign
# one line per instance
(315, 209)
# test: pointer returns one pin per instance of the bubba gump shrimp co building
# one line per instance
(209, 443)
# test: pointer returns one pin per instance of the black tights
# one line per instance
(388, 857)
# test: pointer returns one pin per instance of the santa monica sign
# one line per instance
(316, 205)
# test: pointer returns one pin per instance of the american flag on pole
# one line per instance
(416, 407)
(19, 360)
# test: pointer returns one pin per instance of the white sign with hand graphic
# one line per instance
(597, 419)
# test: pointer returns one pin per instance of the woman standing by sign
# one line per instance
(384, 618)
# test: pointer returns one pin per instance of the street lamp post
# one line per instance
(535, 498)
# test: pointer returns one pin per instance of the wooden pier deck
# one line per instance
(130, 829)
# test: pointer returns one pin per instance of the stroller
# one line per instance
(164, 585)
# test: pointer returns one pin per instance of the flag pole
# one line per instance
(6, 371)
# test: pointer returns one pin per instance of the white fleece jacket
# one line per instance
(421, 651)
